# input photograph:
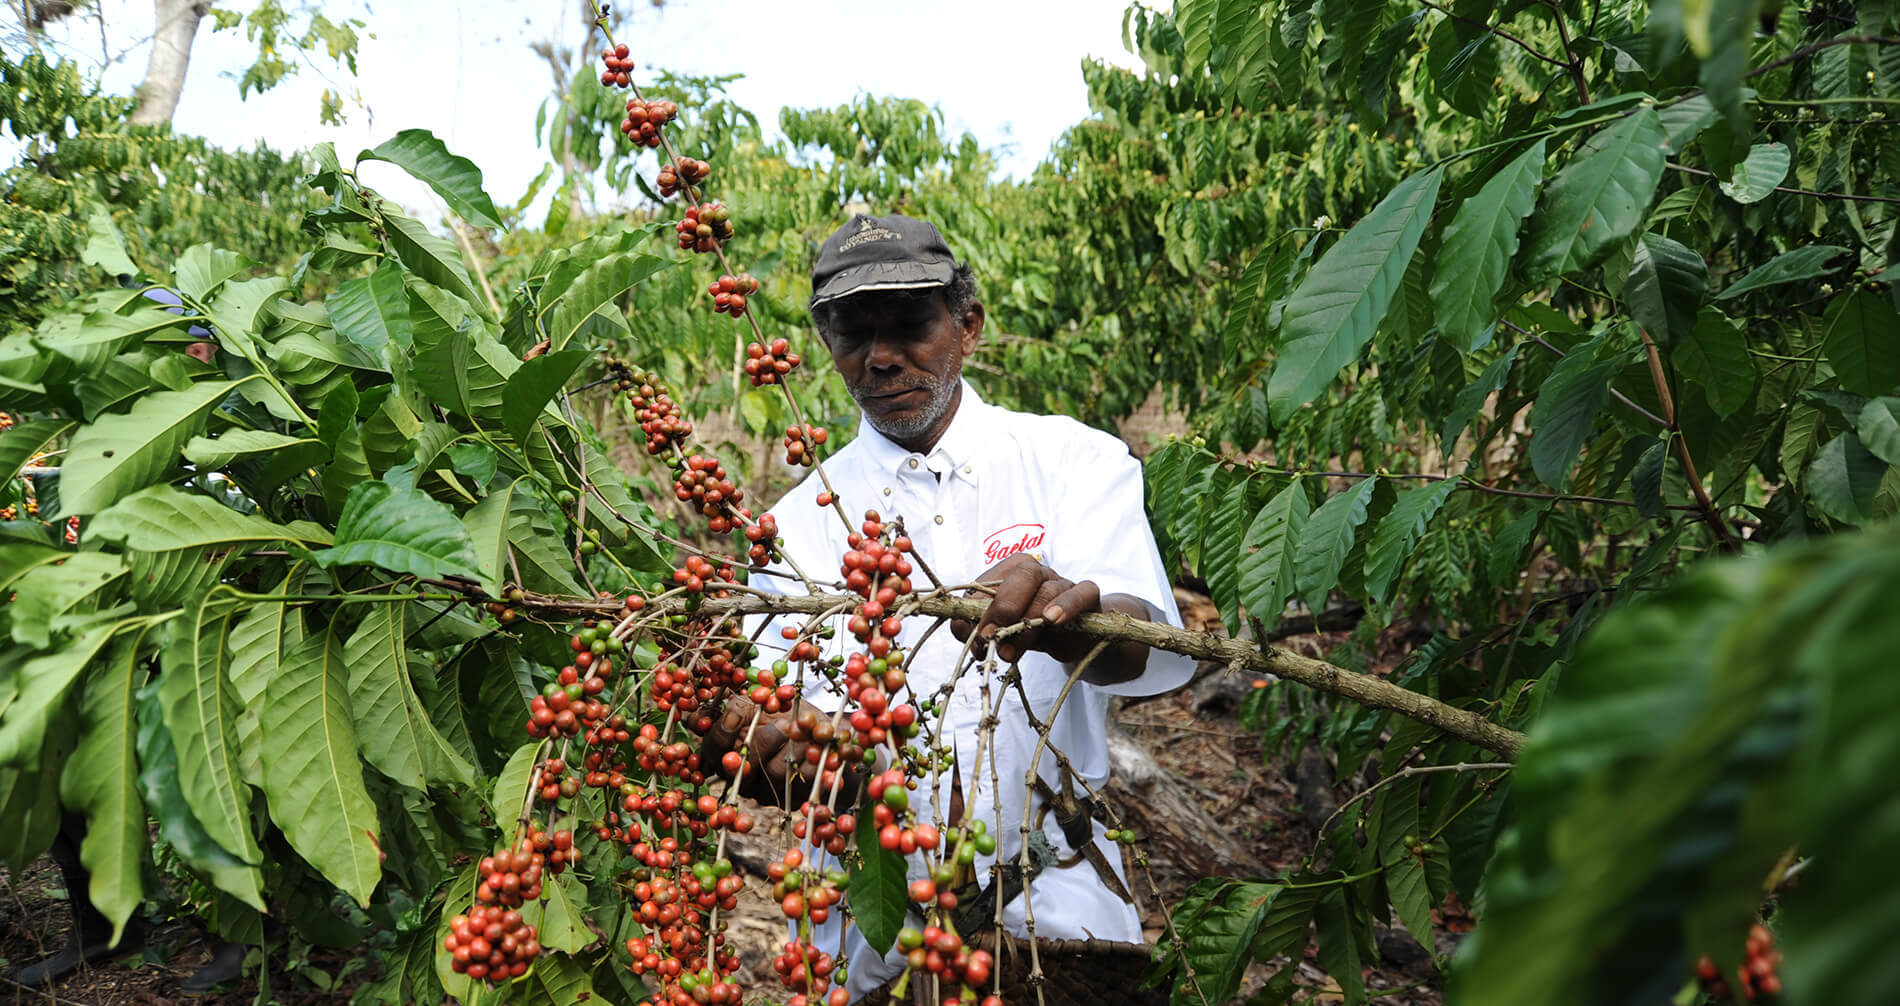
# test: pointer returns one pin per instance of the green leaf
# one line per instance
(435, 259)
(456, 179)
(1337, 937)
(879, 890)
(1756, 177)
(1861, 337)
(511, 786)
(373, 311)
(403, 531)
(178, 827)
(1838, 924)
(1327, 541)
(41, 684)
(596, 289)
(558, 916)
(1879, 429)
(1220, 551)
(165, 517)
(1395, 534)
(216, 452)
(1226, 923)
(202, 268)
(122, 453)
(312, 773)
(1397, 814)
(442, 372)
(1685, 120)
(100, 780)
(1843, 479)
(545, 563)
(46, 594)
(259, 642)
(1566, 412)
(25, 441)
(1599, 197)
(399, 737)
(1666, 284)
(1479, 245)
(104, 248)
(1802, 263)
(202, 715)
(1267, 572)
(533, 386)
(1471, 397)
(1337, 307)
(1715, 357)
(1463, 65)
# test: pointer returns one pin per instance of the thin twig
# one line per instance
(1404, 773)
(1791, 190)
(1499, 32)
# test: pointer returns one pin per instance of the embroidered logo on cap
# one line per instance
(868, 232)
(1000, 545)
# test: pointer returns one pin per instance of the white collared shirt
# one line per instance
(999, 483)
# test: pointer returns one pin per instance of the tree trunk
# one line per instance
(176, 28)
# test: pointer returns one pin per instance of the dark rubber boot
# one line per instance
(91, 937)
(226, 965)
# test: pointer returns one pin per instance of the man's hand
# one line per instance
(766, 757)
(1025, 589)
(773, 754)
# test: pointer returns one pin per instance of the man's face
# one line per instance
(901, 357)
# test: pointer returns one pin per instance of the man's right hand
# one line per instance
(768, 757)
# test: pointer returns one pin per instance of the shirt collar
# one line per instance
(956, 449)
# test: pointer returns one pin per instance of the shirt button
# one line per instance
(887, 490)
(966, 469)
(940, 518)
(913, 462)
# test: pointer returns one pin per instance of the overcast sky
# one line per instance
(1007, 71)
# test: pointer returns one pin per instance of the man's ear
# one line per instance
(970, 327)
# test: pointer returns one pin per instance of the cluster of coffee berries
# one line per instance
(729, 293)
(818, 824)
(511, 877)
(659, 416)
(683, 172)
(809, 971)
(943, 953)
(801, 443)
(672, 909)
(672, 759)
(505, 610)
(705, 227)
(699, 572)
(618, 66)
(704, 484)
(763, 534)
(491, 943)
(645, 118)
(1759, 974)
(769, 364)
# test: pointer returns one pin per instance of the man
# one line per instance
(1043, 507)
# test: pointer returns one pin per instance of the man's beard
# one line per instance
(942, 390)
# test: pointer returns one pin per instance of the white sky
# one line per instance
(1007, 72)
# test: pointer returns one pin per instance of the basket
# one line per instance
(1074, 973)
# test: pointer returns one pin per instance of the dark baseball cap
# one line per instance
(881, 253)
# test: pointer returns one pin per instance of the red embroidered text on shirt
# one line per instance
(1000, 545)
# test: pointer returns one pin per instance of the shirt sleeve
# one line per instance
(1110, 542)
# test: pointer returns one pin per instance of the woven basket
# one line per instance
(1074, 973)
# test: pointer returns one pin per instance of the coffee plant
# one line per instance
(1558, 340)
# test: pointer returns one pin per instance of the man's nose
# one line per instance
(884, 353)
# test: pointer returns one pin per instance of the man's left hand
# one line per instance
(1025, 588)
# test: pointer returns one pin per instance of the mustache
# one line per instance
(882, 390)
